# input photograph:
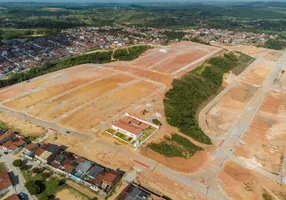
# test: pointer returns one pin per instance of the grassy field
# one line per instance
(175, 146)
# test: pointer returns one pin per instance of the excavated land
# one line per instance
(165, 186)
(263, 144)
(250, 50)
(108, 106)
(21, 88)
(69, 83)
(222, 116)
(244, 184)
(63, 104)
(168, 60)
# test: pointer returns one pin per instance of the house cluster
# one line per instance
(5, 183)
(136, 192)
(227, 36)
(19, 54)
(10, 141)
(81, 170)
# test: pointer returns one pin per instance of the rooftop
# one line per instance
(12, 197)
(5, 181)
(131, 125)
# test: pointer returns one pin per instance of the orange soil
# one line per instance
(108, 106)
(162, 78)
(186, 165)
(164, 186)
(63, 104)
(178, 61)
(55, 89)
(225, 112)
(68, 194)
(257, 74)
(274, 103)
(250, 50)
(272, 55)
(265, 139)
(14, 91)
(240, 183)
(152, 56)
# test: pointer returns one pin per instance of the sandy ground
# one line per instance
(82, 146)
(250, 50)
(240, 183)
(164, 186)
(186, 165)
(221, 117)
(257, 74)
(171, 58)
(25, 127)
(67, 194)
(65, 103)
(56, 89)
(108, 106)
(272, 55)
(264, 142)
(13, 91)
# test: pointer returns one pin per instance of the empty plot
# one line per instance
(257, 73)
(274, 103)
(108, 106)
(264, 142)
(152, 56)
(13, 91)
(272, 55)
(65, 103)
(222, 116)
(178, 61)
(56, 89)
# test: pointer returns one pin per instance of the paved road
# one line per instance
(17, 177)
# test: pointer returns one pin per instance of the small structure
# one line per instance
(130, 127)
(30, 149)
(5, 183)
(14, 145)
(46, 153)
(6, 136)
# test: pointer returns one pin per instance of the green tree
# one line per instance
(17, 163)
(33, 187)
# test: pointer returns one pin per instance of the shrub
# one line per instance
(157, 122)
(17, 163)
(33, 187)
(36, 170)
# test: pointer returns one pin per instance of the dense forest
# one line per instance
(189, 92)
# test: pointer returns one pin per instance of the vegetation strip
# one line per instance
(189, 92)
(175, 146)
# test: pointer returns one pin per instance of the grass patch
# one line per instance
(189, 92)
(267, 196)
(110, 130)
(3, 167)
(130, 53)
(147, 132)
(157, 122)
(175, 146)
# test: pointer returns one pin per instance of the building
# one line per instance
(106, 180)
(5, 183)
(30, 149)
(82, 169)
(46, 153)
(6, 136)
(130, 127)
(14, 145)
(12, 197)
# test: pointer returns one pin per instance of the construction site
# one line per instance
(245, 121)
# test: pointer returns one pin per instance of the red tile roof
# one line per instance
(30, 146)
(12, 197)
(39, 151)
(7, 144)
(131, 125)
(7, 134)
(107, 176)
(5, 181)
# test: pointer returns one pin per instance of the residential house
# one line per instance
(94, 171)
(5, 183)
(12, 197)
(6, 136)
(14, 145)
(63, 158)
(82, 169)
(30, 149)
(46, 153)
(106, 180)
